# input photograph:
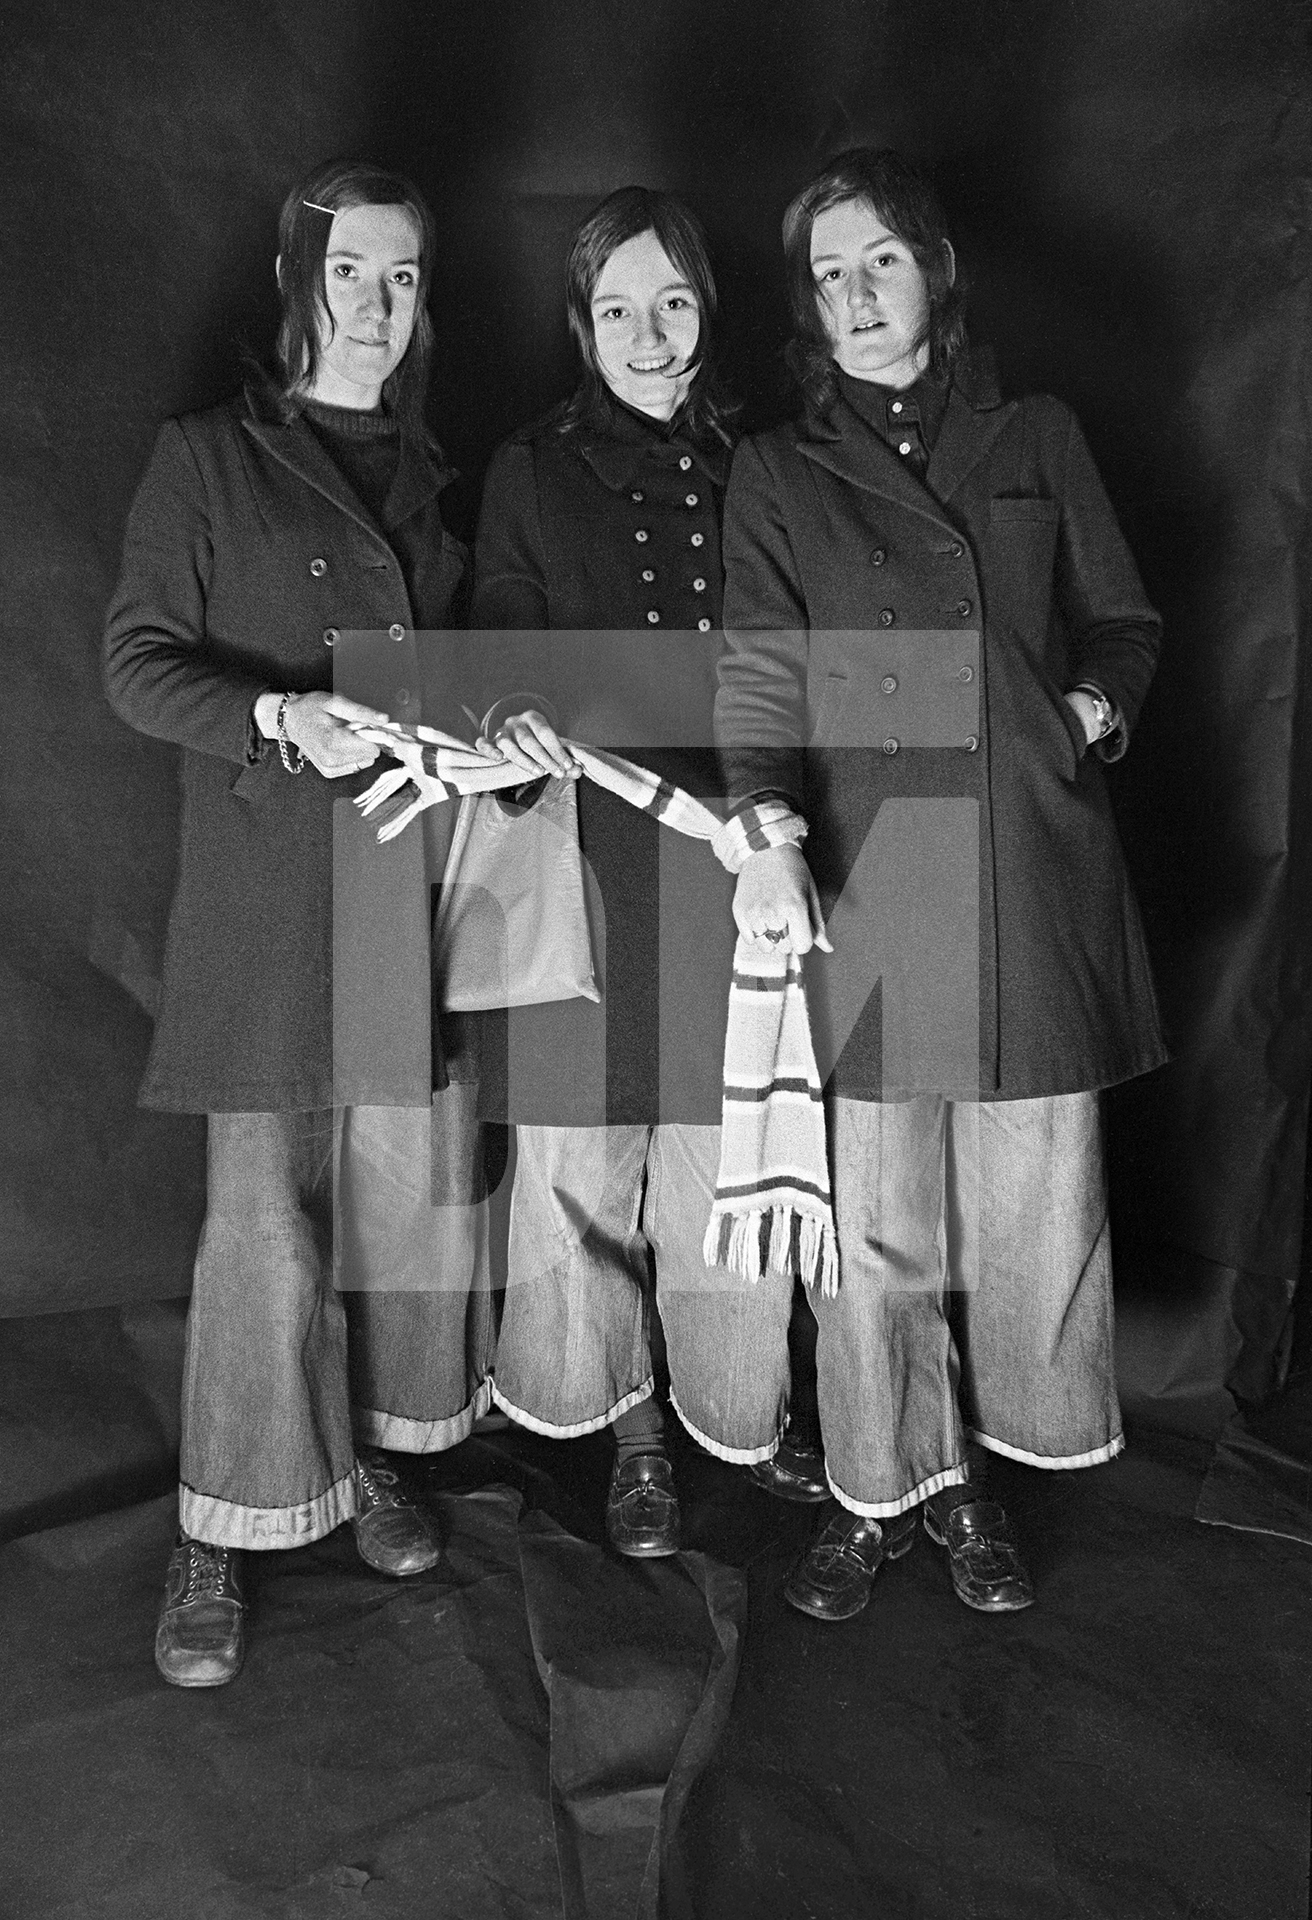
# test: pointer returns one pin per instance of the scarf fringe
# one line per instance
(781, 1239)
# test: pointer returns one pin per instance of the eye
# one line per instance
(343, 271)
(611, 313)
(679, 300)
(404, 277)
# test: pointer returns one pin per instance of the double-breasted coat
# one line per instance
(607, 535)
(905, 645)
(250, 565)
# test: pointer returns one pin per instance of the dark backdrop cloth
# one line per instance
(1128, 188)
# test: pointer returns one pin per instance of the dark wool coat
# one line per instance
(904, 645)
(249, 565)
(614, 525)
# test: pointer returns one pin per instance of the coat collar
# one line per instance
(620, 447)
(974, 417)
(418, 477)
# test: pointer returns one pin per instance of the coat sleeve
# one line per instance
(760, 708)
(160, 674)
(1115, 635)
(511, 590)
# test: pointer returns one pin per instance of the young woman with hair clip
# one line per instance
(935, 635)
(280, 554)
(603, 520)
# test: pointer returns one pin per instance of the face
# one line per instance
(645, 323)
(872, 295)
(371, 278)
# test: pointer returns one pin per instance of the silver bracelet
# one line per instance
(280, 728)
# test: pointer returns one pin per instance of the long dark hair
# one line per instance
(622, 216)
(906, 202)
(303, 229)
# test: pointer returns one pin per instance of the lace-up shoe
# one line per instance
(200, 1640)
(392, 1534)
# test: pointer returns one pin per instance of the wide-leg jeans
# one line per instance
(313, 1327)
(975, 1299)
(592, 1210)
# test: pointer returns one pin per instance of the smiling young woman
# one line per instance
(604, 520)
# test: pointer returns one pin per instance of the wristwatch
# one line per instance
(1104, 711)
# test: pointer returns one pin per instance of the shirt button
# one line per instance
(637, 495)
(331, 636)
(890, 746)
(703, 626)
(972, 743)
(963, 608)
(396, 631)
(684, 463)
(886, 616)
(641, 534)
(878, 557)
(897, 406)
(699, 585)
(965, 673)
(904, 446)
(690, 499)
(698, 540)
(648, 574)
(653, 618)
(889, 683)
(318, 568)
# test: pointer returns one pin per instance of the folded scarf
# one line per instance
(772, 1210)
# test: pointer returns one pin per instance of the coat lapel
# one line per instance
(970, 428)
(293, 445)
(846, 446)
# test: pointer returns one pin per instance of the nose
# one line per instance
(861, 288)
(649, 330)
(376, 300)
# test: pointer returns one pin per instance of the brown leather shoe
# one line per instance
(199, 1641)
(642, 1508)
(392, 1534)
(797, 1472)
(833, 1578)
(987, 1570)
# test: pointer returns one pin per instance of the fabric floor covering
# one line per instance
(538, 1729)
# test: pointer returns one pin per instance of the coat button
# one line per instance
(640, 535)
(653, 618)
(886, 616)
(396, 631)
(904, 446)
(890, 746)
(896, 407)
(648, 575)
(965, 673)
(318, 568)
(698, 540)
(684, 463)
(402, 695)
(637, 495)
(878, 557)
(690, 499)
(699, 585)
(964, 607)
(972, 743)
(703, 626)
(889, 683)
(956, 549)
(331, 636)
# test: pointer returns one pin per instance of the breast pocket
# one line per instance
(1022, 548)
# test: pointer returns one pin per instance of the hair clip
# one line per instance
(318, 209)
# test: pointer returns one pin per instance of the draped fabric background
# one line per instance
(1129, 188)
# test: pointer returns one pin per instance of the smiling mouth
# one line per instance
(868, 326)
(650, 366)
(369, 343)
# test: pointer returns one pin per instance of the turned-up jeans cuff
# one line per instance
(284, 1369)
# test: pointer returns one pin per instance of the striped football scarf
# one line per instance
(772, 1210)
